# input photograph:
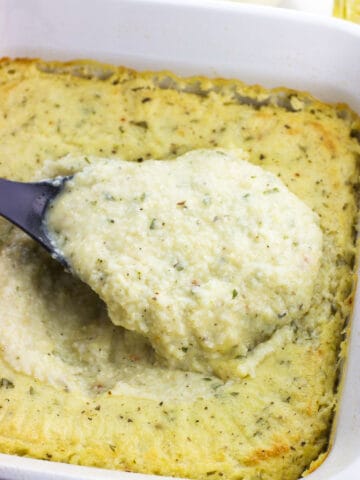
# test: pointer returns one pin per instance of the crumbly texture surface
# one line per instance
(270, 424)
(133, 235)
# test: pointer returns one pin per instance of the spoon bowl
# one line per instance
(25, 205)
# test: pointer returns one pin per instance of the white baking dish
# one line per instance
(256, 44)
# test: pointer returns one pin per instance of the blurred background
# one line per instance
(346, 9)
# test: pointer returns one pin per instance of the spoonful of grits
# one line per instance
(206, 255)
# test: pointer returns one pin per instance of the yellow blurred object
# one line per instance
(347, 9)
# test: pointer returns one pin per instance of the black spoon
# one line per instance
(25, 205)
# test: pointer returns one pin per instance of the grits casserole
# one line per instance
(79, 389)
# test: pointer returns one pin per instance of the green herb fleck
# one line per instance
(272, 190)
(206, 200)
(216, 386)
(179, 266)
(108, 196)
(141, 124)
(234, 293)
(153, 224)
(5, 383)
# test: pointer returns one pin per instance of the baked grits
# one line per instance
(205, 255)
(78, 389)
